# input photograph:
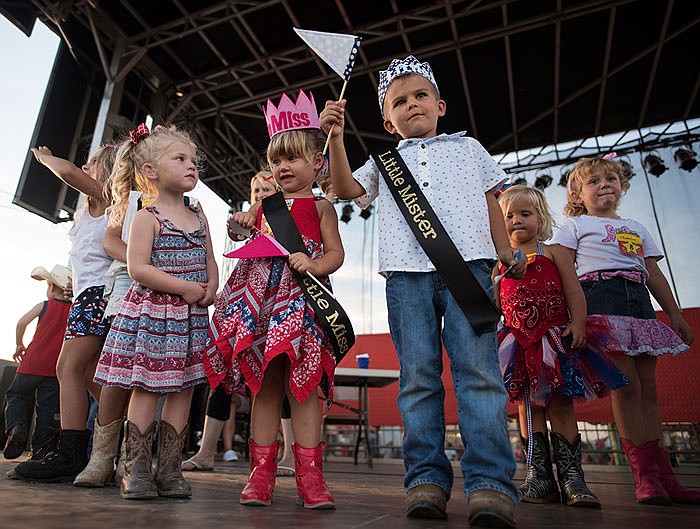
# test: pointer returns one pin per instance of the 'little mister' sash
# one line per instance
(474, 301)
(326, 308)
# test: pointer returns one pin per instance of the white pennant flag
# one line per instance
(338, 50)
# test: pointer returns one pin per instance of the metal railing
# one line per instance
(600, 442)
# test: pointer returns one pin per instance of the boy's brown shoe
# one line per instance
(490, 508)
(426, 501)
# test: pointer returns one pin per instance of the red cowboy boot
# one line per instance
(312, 488)
(263, 469)
(677, 492)
(647, 488)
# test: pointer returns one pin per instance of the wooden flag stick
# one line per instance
(340, 98)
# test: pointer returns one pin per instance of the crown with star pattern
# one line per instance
(399, 68)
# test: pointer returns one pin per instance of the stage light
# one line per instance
(627, 169)
(654, 165)
(685, 158)
(346, 213)
(564, 177)
(366, 213)
(543, 181)
(519, 182)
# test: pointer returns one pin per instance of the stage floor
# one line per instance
(366, 498)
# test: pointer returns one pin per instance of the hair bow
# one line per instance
(610, 156)
(139, 133)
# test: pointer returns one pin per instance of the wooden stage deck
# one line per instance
(366, 498)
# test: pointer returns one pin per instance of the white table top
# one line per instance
(375, 378)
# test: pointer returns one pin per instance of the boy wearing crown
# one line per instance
(35, 378)
(457, 178)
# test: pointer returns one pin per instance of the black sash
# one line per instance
(327, 309)
(474, 301)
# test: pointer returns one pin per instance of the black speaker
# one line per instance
(69, 104)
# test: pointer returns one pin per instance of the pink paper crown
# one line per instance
(291, 116)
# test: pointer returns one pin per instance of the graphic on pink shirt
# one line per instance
(610, 237)
(629, 241)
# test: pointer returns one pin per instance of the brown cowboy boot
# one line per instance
(137, 482)
(169, 480)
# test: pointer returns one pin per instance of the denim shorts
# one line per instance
(618, 296)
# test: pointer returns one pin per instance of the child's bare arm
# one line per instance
(71, 174)
(332, 120)
(573, 293)
(113, 244)
(22, 327)
(212, 268)
(659, 288)
(333, 252)
(499, 236)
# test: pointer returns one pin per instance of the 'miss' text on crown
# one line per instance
(291, 116)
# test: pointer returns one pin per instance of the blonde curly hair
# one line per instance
(582, 170)
(131, 157)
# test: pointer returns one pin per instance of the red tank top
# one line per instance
(305, 215)
(42, 353)
(535, 303)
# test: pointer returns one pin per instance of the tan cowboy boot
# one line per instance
(105, 441)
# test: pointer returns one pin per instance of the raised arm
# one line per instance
(144, 228)
(71, 174)
(332, 120)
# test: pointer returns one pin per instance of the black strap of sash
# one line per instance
(326, 308)
(474, 301)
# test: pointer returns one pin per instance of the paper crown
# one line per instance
(401, 67)
(291, 116)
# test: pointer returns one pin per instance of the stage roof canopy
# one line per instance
(515, 74)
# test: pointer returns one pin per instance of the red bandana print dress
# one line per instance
(262, 313)
(532, 352)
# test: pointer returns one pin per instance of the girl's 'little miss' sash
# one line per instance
(474, 301)
(327, 309)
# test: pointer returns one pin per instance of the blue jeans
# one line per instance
(423, 314)
(23, 389)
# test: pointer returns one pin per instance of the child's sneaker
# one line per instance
(230, 455)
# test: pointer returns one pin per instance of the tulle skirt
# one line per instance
(551, 366)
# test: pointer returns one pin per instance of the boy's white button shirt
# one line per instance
(453, 172)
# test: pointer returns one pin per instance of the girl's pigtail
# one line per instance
(121, 183)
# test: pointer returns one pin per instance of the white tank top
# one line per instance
(88, 259)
